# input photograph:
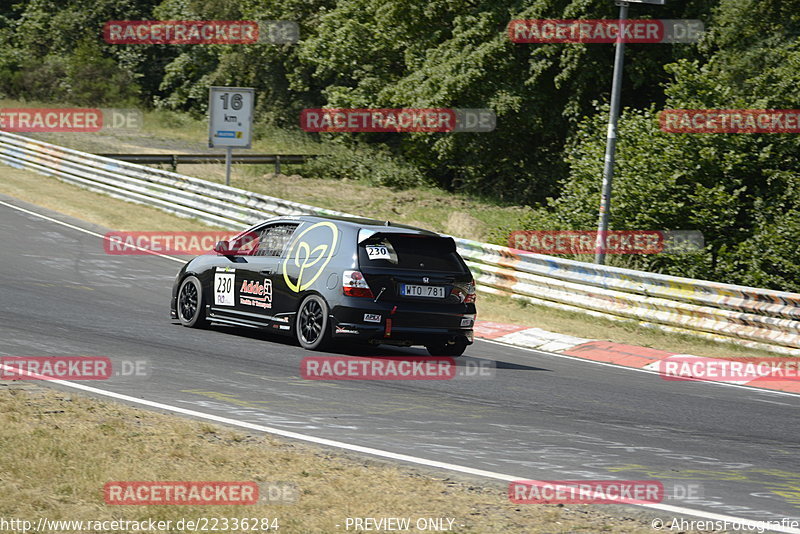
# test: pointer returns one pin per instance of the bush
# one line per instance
(368, 165)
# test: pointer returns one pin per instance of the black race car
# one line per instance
(327, 278)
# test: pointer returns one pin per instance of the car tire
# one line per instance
(447, 349)
(191, 304)
(312, 324)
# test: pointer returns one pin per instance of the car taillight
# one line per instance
(472, 295)
(465, 292)
(354, 285)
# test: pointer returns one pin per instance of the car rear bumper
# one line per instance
(402, 323)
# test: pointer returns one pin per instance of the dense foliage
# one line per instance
(741, 190)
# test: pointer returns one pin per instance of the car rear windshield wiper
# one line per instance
(379, 294)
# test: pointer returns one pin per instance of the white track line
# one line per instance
(85, 231)
(679, 510)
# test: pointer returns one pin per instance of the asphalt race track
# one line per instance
(540, 416)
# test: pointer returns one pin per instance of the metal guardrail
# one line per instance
(183, 159)
(756, 318)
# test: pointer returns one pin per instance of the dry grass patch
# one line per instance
(92, 207)
(60, 449)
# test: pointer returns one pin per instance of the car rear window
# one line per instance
(413, 252)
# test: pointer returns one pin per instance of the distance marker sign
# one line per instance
(230, 116)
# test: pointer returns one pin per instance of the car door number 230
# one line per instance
(223, 289)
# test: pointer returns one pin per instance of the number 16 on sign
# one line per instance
(230, 120)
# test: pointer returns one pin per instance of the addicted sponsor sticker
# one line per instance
(256, 293)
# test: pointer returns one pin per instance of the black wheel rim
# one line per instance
(188, 301)
(311, 321)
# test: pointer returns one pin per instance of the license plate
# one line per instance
(413, 290)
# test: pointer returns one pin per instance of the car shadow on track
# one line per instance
(364, 350)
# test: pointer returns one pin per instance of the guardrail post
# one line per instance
(277, 165)
(174, 163)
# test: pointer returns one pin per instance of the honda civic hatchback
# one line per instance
(322, 279)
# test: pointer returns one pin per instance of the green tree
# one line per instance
(740, 190)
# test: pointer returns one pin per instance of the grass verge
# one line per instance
(66, 447)
(86, 205)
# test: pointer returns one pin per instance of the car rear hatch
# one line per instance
(421, 272)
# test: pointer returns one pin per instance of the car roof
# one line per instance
(362, 223)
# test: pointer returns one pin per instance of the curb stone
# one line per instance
(607, 352)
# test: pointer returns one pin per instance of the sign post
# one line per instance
(611, 134)
(230, 120)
